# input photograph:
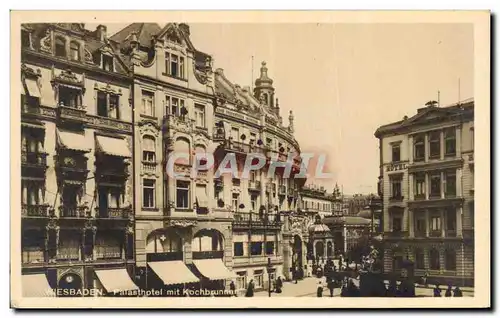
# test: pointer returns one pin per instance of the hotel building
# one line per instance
(427, 184)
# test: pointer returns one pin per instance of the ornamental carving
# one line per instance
(46, 42)
(108, 89)
(200, 76)
(88, 56)
(182, 223)
(148, 126)
(297, 224)
(68, 77)
(29, 72)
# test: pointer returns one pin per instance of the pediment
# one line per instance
(172, 34)
(430, 114)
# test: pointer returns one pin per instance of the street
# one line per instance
(307, 288)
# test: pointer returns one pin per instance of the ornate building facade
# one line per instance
(76, 169)
(427, 185)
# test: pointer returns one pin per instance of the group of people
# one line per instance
(278, 287)
(457, 292)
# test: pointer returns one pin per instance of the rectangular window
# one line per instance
(241, 280)
(175, 107)
(436, 223)
(148, 105)
(418, 148)
(450, 141)
(419, 185)
(253, 138)
(396, 153)
(451, 183)
(181, 68)
(199, 111)
(167, 62)
(253, 201)
(102, 104)
(420, 226)
(182, 197)
(235, 133)
(256, 248)
(258, 278)
(435, 185)
(397, 224)
(113, 106)
(107, 63)
(435, 144)
(69, 97)
(236, 201)
(174, 65)
(238, 249)
(451, 220)
(396, 191)
(419, 259)
(269, 248)
(148, 193)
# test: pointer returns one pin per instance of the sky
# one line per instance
(343, 81)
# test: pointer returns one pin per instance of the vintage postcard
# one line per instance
(276, 159)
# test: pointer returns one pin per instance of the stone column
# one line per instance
(410, 149)
(427, 226)
(410, 186)
(426, 147)
(411, 219)
(427, 186)
(443, 184)
(441, 145)
(458, 142)
(25, 193)
(443, 233)
(171, 195)
(459, 212)
(459, 183)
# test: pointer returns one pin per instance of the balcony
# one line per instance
(167, 256)
(396, 234)
(38, 210)
(149, 167)
(34, 159)
(113, 213)
(75, 114)
(179, 123)
(72, 164)
(79, 212)
(254, 185)
(247, 220)
(420, 233)
(435, 233)
(397, 198)
(242, 148)
(208, 255)
(451, 233)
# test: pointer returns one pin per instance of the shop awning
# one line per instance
(72, 141)
(32, 88)
(213, 269)
(173, 272)
(201, 196)
(113, 146)
(115, 280)
(36, 285)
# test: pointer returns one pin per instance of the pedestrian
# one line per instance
(437, 291)
(457, 292)
(331, 286)
(448, 291)
(232, 288)
(250, 288)
(296, 275)
(353, 290)
(393, 288)
(424, 279)
(319, 290)
(344, 292)
(279, 285)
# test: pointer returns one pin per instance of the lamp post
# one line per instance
(269, 274)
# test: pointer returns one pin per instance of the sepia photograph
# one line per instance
(297, 159)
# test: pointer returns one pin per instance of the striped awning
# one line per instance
(214, 269)
(115, 280)
(72, 141)
(36, 285)
(32, 88)
(173, 272)
(113, 146)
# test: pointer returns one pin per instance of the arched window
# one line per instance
(75, 51)
(201, 154)
(148, 149)
(434, 259)
(182, 148)
(450, 260)
(207, 240)
(320, 249)
(164, 242)
(60, 47)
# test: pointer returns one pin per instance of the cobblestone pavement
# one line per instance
(307, 288)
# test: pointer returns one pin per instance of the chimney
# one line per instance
(185, 28)
(101, 32)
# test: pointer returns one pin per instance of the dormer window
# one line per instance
(107, 63)
(174, 65)
(75, 51)
(60, 47)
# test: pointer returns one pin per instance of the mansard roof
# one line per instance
(144, 32)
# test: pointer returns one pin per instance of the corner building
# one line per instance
(76, 170)
(427, 184)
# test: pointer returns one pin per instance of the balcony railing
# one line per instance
(38, 210)
(451, 233)
(396, 234)
(419, 233)
(149, 167)
(74, 212)
(167, 256)
(254, 219)
(113, 213)
(34, 159)
(397, 198)
(208, 255)
(76, 164)
(254, 185)
(244, 148)
(435, 233)
(77, 114)
(113, 171)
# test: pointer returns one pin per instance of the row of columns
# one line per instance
(458, 184)
(458, 147)
(412, 218)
